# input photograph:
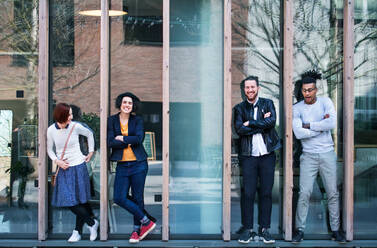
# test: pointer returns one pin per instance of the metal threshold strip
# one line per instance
(180, 243)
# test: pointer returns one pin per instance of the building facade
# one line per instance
(185, 60)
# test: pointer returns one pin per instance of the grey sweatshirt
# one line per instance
(318, 138)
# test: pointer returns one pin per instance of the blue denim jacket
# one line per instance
(135, 137)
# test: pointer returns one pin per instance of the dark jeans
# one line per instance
(257, 169)
(124, 180)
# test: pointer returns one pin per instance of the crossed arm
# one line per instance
(329, 119)
(122, 142)
(299, 129)
(252, 127)
(269, 118)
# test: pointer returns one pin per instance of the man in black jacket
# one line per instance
(254, 122)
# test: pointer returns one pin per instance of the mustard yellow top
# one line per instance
(128, 154)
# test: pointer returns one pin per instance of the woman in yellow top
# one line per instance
(125, 133)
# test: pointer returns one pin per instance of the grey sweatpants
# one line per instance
(310, 165)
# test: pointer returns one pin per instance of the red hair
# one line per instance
(61, 112)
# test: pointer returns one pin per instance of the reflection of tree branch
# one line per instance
(272, 40)
(273, 92)
(57, 78)
(366, 75)
(362, 63)
(7, 127)
(18, 36)
(332, 67)
(318, 42)
(96, 71)
(269, 39)
(369, 37)
(4, 139)
(270, 83)
(306, 55)
(268, 62)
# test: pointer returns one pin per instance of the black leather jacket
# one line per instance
(266, 126)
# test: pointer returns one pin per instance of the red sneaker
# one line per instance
(134, 238)
(146, 229)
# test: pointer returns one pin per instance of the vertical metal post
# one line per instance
(227, 142)
(348, 117)
(287, 99)
(43, 119)
(165, 120)
(104, 113)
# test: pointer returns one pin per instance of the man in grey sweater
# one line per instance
(313, 119)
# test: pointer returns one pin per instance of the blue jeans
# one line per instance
(124, 180)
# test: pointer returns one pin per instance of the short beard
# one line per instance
(252, 100)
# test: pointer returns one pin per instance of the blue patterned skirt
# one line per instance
(72, 186)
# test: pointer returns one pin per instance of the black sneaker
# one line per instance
(299, 235)
(266, 236)
(338, 237)
(246, 236)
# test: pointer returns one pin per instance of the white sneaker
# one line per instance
(74, 237)
(93, 230)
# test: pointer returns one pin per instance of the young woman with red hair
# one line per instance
(72, 187)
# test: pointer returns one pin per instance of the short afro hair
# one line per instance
(135, 101)
(311, 76)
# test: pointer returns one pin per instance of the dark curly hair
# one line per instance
(135, 101)
(310, 76)
(242, 84)
(297, 90)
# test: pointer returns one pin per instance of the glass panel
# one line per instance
(365, 118)
(256, 50)
(196, 116)
(318, 32)
(18, 117)
(75, 68)
(136, 66)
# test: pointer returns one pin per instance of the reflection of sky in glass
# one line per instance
(6, 117)
(365, 114)
(196, 117)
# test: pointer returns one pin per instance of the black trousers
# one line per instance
(84, 214)
(257, 169)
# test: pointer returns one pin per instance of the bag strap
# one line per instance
(65, 147)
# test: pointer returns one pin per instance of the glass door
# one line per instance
(196, 117)
(18, 118)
